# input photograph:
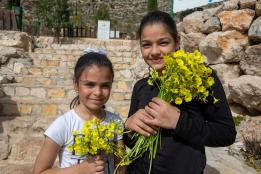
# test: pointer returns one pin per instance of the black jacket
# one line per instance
(199, 125)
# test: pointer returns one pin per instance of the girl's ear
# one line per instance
(177, 43)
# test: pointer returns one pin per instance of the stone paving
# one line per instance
(220, 162)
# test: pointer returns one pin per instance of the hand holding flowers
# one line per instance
(97, 137)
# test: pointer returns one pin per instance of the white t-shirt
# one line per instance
(61, 132)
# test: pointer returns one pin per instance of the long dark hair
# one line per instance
(159, 17)
(88, 60)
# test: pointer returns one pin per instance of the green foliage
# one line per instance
(53, 14)
(101, 14)
(11, 3)
(237, 119)
(152, 5)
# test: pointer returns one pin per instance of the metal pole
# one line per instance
(171, 8)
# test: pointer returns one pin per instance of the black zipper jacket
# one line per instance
(199, 125)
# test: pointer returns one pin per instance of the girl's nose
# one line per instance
(155, 51)
(97, 91)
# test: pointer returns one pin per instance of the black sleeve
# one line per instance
(212, 125)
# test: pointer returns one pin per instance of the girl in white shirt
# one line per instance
(93, 77)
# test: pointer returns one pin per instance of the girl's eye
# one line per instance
(145, 45)
(164, 43)
(106, 86)
(89, 84)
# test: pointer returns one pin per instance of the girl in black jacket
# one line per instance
(186, 128)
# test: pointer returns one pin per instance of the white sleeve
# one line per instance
(57, 131)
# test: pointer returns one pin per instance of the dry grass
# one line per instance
(252, 153)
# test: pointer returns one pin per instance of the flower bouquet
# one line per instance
(185, 77)
(97, 137)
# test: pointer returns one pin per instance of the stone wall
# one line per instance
(228, 36)
(121, 11)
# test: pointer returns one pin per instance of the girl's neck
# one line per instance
(87, 114)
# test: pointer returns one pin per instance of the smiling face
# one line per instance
(155, 41)
(94, 86)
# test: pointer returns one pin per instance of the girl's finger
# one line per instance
(145, 129)
(152, 112)
(99, 168)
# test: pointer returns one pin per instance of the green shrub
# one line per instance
(152, 5)
(238, 119)
(101, 14)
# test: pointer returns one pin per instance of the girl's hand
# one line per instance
(92, 165)
(164, 114)
(137, 123)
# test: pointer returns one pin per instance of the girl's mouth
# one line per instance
(156, 60)
(96, 100)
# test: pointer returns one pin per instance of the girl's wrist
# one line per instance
(125, 124)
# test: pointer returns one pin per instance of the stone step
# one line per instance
(53, 63)
(29, 106)
(44, 63)
(16, 106)
(22, 90)
(55, 48)
(47, 58)
(56, 56)
(32, 85)
(44, 79)
(47, 71)
(58, 51)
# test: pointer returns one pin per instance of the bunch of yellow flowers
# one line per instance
(186, 76)
(97, 136)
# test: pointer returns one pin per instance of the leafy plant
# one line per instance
(101, 14)
(238, 119)
(11, 3)
(152, 5)
(57, 15)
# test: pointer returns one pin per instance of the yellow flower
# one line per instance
(70, 147)
(75, 132)
(101, 141)
(150, 82)
(163, 72)
(188, 97)
(87, 124)
(95, 132)
(198, 80)
(109, 134)
(201, 89)
(178, 100)
(120, 132)
(210, 81)
(174, 91)
(180, 62)
(154, 74)
(102, 128)
(111, 126)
